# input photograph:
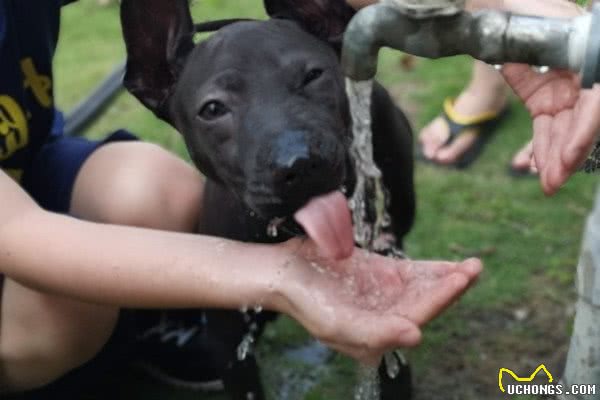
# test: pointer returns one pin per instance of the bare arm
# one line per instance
(135, 267)
(565, 117)
(127, 266)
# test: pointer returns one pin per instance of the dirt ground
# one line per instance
(519, 338)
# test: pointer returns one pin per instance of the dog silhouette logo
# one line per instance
(530, 378)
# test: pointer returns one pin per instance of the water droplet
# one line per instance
(368, 386)
(316, 266)
(220, 246)
(543, 69)
(351, 204)
(392, 365)
(245, 347)
(258, 308)
(273, 227)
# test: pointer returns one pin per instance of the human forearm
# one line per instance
(135, 267)
(132, 267)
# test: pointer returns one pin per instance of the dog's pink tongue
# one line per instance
(327, 220)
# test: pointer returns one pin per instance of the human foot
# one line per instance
(522, 163)
(455, 137)
(465, 119)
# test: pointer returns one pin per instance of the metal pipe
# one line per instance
(491, 36)
(582, 362)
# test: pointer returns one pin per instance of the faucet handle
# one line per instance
(422, 9)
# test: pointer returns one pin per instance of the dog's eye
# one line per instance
(312, 76)
(213, 110)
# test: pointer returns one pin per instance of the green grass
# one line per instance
(530, 243)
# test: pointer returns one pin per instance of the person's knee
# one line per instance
(155, 194)
(147, 187)
(48, 337)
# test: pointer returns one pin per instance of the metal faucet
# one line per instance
(442, 28)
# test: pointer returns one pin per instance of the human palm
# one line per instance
(370, 304)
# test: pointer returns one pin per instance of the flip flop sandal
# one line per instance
(484, 125)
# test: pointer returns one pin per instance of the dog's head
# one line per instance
(261, 104)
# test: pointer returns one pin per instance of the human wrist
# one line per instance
(296, 274)
(276, 289)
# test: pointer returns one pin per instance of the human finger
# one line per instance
(432, 299)
(585, 128)
(555, 171)
(410, 269)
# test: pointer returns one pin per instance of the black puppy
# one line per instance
(263, 111)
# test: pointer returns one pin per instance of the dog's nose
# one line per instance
(298, 166)
(290, 147)
(299, 171)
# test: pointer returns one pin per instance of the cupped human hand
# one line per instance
(566, 120)
(565, 117)
(368, 304)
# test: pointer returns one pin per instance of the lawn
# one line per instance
(520, 313)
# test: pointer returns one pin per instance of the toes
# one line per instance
(453, 151)
(522, 161)
(433, 137)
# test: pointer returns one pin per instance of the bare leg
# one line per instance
(42, 335)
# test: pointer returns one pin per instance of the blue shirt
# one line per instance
(28, 36)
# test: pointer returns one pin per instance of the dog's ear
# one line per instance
(158, 36)
(326, 19)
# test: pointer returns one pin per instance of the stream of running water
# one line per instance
(369, 213)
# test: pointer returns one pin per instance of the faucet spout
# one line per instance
(491, 36)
